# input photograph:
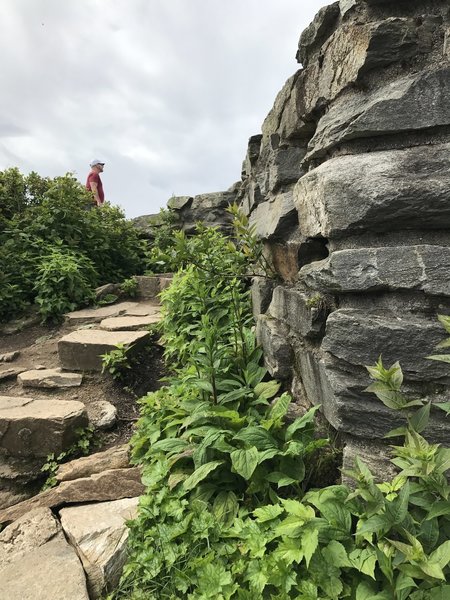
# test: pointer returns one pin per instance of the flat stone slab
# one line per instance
(99, 534)
(81, 350)
(37, 428)
(116, 457)
(36, 562)
(95, 315)
(144, 309)
(129, 323)
(49, 378)
(10, 373)
(113, 484)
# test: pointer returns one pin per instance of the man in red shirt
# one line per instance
(94, 183)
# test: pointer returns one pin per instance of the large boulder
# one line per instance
(36, 562)
(99, 534)
(383, 191)
(36, 428)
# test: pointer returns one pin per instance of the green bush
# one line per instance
(40, 215)
(65, 280)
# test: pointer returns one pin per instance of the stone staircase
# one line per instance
(69, 541)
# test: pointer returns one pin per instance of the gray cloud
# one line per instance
(167, 91)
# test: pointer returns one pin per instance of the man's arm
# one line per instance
(94, 190)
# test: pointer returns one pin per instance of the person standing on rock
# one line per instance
(94, 183)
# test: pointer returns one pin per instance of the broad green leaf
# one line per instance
(289, 551)
(432, 569)
(201, 473)
(336, 554)
(212, 580)
(301, 422)
(441, 593)
(441, 555)
(267, 513)
(419, 419)
(438, 509)
(445, 320)
(296, 508)
(256, 436)
(267, 389)
(175, 479)
(365, 591)
(170, 445)
(309, 541)
(281, 479)
(279, 408)
(364, 560)
(245, 461)
(397, 509)
(440, 357)
(390, 398)
(225, 507)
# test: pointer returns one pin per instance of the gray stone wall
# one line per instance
(349, 187)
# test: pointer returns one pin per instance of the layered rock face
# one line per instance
(349, 187)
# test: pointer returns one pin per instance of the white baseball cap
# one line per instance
(96, 161)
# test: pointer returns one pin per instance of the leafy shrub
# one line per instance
(129, 287)
(41, 214)
(117, 361)
(64, 281)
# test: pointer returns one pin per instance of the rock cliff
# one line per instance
(348, 185)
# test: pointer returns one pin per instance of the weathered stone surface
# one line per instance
(113, 484)
(10, 373)
(305, 314)
(209, 209)
(272, 335)
(261, 290)
(373, 454)
(383, 191)
(49, 378)
(317, 32)
(414, 102)
(99, 534)
(339, 388)
(148, 286)
(102, 414)
(146, 308)
(9, 356)
(109, 289)
(396, 337)
(387, 268)
(36, 562)
(273, 219)
(95, 315)
(37, 428)
(179, 202)
(81, 350)
(285, 118)
(116, 457)
(353, 50)
(129, 323)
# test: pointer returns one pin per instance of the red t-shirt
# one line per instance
(95, 178)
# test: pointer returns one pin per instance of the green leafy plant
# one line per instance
(129, 287)
(64, 281)
(117, 361)
(82, 446)
(107, 299)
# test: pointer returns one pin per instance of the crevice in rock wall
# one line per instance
(312, 250)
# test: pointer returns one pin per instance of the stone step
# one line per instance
(148, 307)
(36, 428)
(49, 378)
(99, 534)
(81, 350)
(95, 315)
(129, 323)
(37, 563)
(113, 484)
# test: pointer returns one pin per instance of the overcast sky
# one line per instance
(166, 92)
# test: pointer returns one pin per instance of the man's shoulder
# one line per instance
(93, 176)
